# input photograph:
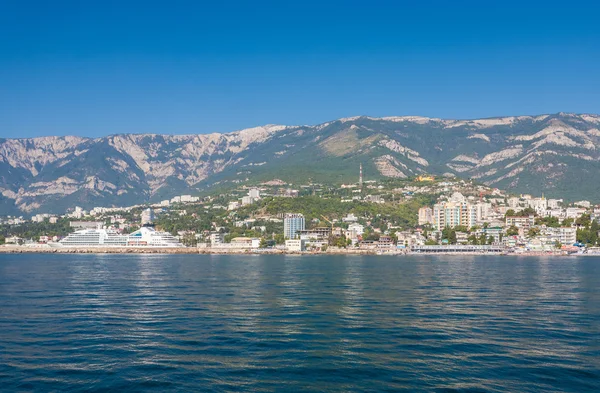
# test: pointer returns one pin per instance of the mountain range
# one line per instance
(556, 154)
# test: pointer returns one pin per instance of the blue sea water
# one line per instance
(250, 323)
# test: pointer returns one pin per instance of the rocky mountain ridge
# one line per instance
(557, 154)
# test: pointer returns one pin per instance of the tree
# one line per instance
(279, 238)
(2, 239)
(512, 231)
(430, 242)
(339, 241)
(446, 233)
(595, 226)
(584, 220)
(482, 239)
(189, 239)
(551, 222)
(452, 237)
(533, 232)
(567, 222)
(587, 236)
(461, 228)
(510, 213)
(491, 240)
(263, 243)
(528, 211)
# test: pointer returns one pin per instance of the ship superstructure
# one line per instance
(143, 237)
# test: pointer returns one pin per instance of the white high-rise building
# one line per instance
(292, 223)
(148, 217)
(254, 193)
(483, 211)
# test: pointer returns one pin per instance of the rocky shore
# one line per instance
(10, 249)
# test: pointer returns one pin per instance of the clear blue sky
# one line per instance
(95, 68)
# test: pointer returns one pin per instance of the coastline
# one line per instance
(8, 249)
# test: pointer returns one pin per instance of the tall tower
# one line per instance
(360, 177)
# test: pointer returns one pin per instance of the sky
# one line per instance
(95, 68)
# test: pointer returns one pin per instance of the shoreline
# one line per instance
(204, 251)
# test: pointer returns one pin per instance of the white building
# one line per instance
(554, 203)
(254, 193)
(513, 202)
(295, 245)
(188, 199)
(563, 235)
(292, 223)
(13, 240)
(358, 228)
(525, 222)
(425, 215)
(239, 243)
(574, 212)
(40, 217)
(540, 205)
(350, 218)
(483, 211)
(247, 200)
(86, 224)
(216, 238)
(585, 204)
(148, 217)
(455, 212)
(78, 213)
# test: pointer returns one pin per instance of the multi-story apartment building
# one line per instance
(574, 212)
(425, 215)
(254, 193)
(524, 222)
(452, 214)
(513, 202)
(292, 223)
(554, 203)
(217, 238)
(538, 204)
(483, 211)
(148, 217)
(563, 235)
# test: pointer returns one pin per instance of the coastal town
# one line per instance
(424, 214)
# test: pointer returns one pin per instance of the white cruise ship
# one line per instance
(149, 237)
(143, 237)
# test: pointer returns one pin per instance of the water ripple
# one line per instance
(280, 323)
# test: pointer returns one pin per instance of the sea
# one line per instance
(288, 323)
